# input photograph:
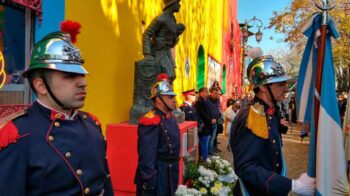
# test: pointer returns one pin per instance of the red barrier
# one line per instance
(122, 153)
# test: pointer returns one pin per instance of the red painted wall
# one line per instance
(232, 49)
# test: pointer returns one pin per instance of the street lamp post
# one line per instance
(253, 22)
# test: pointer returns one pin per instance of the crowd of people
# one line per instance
(342, 102)
(255, 124)
(205, 107)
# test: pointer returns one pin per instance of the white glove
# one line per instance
(304, 185)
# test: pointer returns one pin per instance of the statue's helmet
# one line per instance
(56, 52)
(265, 70)
(168, 3)
(162, 87)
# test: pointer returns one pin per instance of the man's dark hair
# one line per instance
(38, 74)
(202, 89)
(231, 102)
(212, 89)
(256, 90)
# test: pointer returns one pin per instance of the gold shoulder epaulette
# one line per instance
(150, 118)
(10, 117)
(257, 122)
(150, 114)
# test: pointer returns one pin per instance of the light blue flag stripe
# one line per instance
(306, 79)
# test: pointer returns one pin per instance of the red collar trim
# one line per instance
(271, 111)
(57, 115)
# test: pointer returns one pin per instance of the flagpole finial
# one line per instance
(325, 6)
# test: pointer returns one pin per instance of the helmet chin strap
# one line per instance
(274, 101)
(281, 127)
(166, 106)
(43, 77)
(271, 95)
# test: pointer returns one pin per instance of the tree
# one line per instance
(291, 20)
(289, 58)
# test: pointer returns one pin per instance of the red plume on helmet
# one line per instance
(71, 27)
(163, 76)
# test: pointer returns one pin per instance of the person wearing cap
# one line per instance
(188, 105)
(53, 148)
(158, 145)
(232, 100)
(161, 35)
(255, 137)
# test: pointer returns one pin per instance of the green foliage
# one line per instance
(191, 171)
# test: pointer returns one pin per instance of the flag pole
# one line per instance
(320, 61)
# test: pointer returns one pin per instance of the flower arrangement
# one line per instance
(183, 190)
(213, 177)
(222, 166)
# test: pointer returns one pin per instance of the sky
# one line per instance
(262, 9)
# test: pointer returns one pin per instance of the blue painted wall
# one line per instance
(53, 15)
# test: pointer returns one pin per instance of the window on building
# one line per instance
(200, 67)
(224, 79)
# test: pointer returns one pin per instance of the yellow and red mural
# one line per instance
(111, 41)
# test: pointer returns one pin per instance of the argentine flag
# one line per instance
(327, 161)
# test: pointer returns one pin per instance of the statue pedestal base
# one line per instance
(122, 153)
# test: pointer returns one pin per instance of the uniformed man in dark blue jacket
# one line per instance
(53, 148)
(255, 137)
(158, 146)
(188, 105)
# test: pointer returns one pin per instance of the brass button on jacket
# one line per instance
(87, 190)
(68, 155)
(79, 172)
(51, 138)
(57, 124)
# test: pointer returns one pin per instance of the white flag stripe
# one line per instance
(306, 90)
(308, 23)
(327, 148)
(346, 126)
(317, 95)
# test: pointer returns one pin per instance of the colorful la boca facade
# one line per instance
(111, 42)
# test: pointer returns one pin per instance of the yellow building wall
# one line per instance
(111, 41)
(203, 20)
